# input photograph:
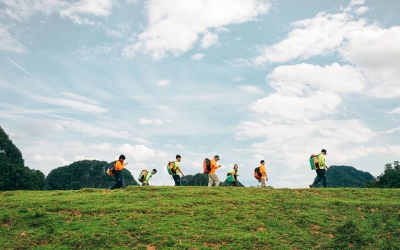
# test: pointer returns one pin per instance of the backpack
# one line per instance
(171, 168)
(314, 162)
(257, 173)
(142, 175)
(111, 169)
(207, 166)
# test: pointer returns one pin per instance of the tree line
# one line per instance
(92, 174)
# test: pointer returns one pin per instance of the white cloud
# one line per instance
(294, 79)
(314, 105)
(238, 38)
(39, 127)
(163, 82)
(311, 37)
(376, 53)
(93, 131)
(197, 56)
(76, 105)
(24, 9)
(250, 89)
(357, 2)
(361, 10)
(208, 40)
(9, 43)
(174, 27)
(40, 159)
(294, 143)
(145, 121)
(395, 111)
(80, 98)
(87, 7)
(175, 146)
(138, 152)
(238, 79)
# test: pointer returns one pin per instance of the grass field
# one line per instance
(201, 218)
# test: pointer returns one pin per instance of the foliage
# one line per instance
(201, 179)
(14, 175)
(390, 178)
(201, 218)
(85, 174)
(346, 176)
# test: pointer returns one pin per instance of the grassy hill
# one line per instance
(201, 218)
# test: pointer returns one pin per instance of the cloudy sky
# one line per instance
(245, 79)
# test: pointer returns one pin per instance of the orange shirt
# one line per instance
(214, 166)
(119, 165)
(263, 171)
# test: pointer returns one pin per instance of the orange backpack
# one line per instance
(314, 162)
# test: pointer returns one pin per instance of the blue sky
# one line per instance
(244, 79)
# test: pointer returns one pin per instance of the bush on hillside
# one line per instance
(390, 178)
(85, 174)
(14, 175)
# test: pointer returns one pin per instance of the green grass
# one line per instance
(201, 218)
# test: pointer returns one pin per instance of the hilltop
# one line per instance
(201, 218)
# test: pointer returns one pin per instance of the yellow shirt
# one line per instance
(263, 171)
(119, 165)
(177, 165)
(214, 166)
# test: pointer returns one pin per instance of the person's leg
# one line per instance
(318, 177)
(324, 178)
(235, 184)
(263, 185)
(177, 179)
(217, 181)
(118, 180)
(210, 180)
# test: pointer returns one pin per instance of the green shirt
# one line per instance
(321, 161)
(176, 166)
(148, 176)
(233, 173)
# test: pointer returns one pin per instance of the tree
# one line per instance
(346, 176)
(85, 174)
(14, 175)
(390, 178)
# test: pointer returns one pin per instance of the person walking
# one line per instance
(118, 166)
(234, 173)
(178, 171)
(148, 176)
(321, 171)
(263, 172)
(212, 176)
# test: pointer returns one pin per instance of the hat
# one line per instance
(324, 150)
(217, 156)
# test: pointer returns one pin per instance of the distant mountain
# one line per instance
(201, 179)
(85, 174)
(14, 175)
(346, 176)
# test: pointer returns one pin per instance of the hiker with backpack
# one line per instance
(175, 170)
(212, 177)
(232, 176)
(117, 171)
(263, 172)
(145, 176)
(320, 167)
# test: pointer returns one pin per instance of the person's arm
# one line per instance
(179, 169)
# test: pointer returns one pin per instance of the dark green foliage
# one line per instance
(201, 179)
(390, 178)
(346, 176)
(14, 175)
(85, 174)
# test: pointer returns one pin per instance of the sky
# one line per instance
(247, 80)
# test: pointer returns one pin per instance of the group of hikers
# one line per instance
(210, 167)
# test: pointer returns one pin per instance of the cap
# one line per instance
(217, 156)
(324, 150)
